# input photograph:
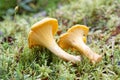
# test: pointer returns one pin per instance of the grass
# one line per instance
(18, 62)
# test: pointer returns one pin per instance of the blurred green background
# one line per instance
(7, 7)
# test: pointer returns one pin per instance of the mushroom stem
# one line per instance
(85, 50)
(62, 54)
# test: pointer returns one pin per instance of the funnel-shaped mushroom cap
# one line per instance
(41, 29)
(46, 22)
(74, 32)
(84, 29)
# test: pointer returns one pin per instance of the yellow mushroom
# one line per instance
(42, 33)
(75, 38)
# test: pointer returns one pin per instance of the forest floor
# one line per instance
(18, 62)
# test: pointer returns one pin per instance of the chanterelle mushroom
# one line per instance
(74, 38)
(42, 34)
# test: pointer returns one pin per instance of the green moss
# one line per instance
(19, 62)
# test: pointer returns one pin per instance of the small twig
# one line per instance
(16, 10)
(113, 42)
(85, 20)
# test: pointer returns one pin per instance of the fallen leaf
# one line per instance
(116, 31)
(8, 39)
(20, 49)
(65, 22)
(59, 32)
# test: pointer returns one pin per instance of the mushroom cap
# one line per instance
(64, 38)
(80, 27)
(30, 40)
(44, 22)
(37, 27)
